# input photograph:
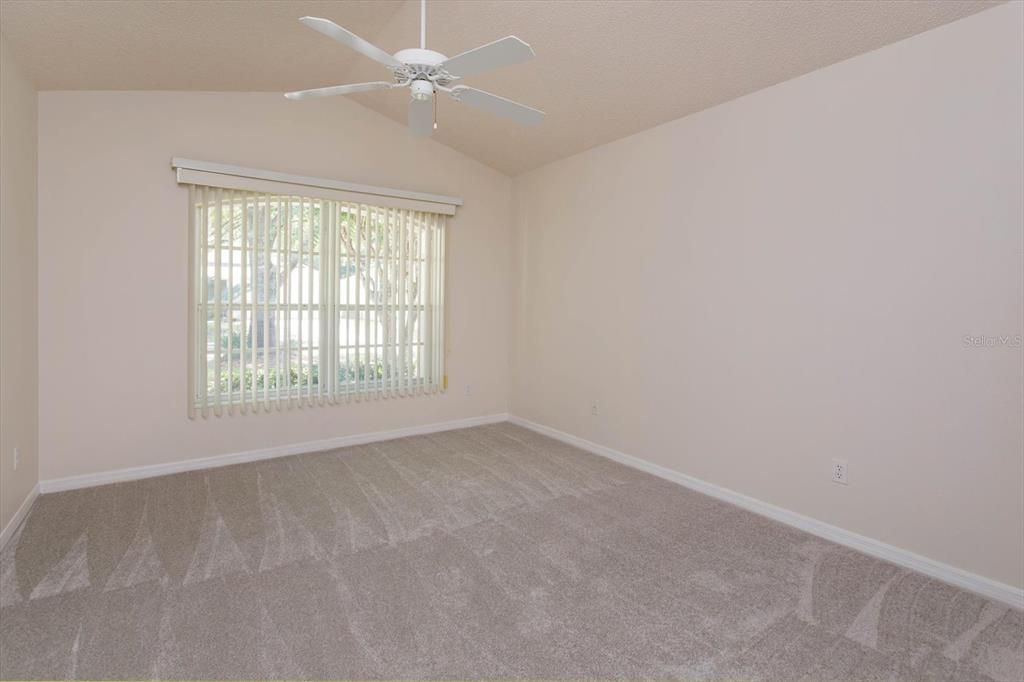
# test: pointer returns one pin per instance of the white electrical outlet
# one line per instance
(469, 389)
(839, 474)
(17, 459)
(593, 408)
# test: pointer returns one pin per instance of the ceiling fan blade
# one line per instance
(520, 113)
(505, 52)
(346, 37)
(421, 117)
(339, 90)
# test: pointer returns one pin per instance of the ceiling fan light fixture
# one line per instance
(422, 90)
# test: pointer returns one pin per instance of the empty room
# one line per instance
(501, 339)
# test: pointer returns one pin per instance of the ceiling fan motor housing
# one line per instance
(418, 63)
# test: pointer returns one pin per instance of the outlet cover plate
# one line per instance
(839, 472)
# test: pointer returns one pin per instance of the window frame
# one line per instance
(207, 339)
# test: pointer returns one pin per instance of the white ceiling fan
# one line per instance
(426, 72)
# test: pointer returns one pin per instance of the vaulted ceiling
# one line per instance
(604, 68)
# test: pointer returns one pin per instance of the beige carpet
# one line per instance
(486, 552)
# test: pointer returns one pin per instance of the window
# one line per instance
(297, 300)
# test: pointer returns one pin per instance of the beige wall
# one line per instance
(18, 384)
(112, 282)
(756, 289)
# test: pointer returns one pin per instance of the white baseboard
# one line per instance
(12, 526)
(986, 587)
(981, 585)
(132, 473)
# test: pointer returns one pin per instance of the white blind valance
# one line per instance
(224, 176)
(298, 299)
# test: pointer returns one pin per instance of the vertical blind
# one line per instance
(300, 301)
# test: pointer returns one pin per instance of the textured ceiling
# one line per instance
(604, 68)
